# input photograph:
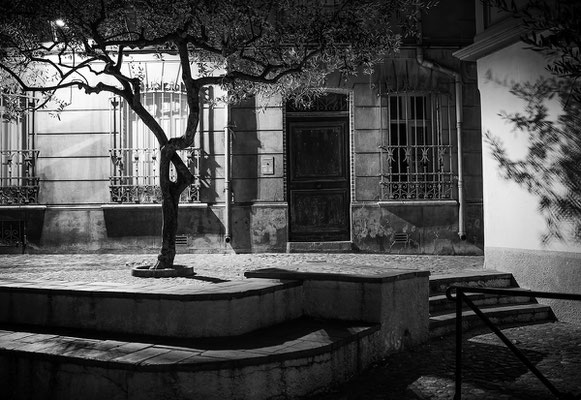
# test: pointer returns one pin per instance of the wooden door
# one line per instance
(318, 179)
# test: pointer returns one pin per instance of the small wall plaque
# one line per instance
(267, 165)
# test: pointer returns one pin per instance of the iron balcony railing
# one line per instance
(419, 172)
(460, 298)
(135, 175)
(18, 185)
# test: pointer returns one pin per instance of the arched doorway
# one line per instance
(318, 175)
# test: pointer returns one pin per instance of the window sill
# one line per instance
(423, 203)
(22, 207)
(151, 205)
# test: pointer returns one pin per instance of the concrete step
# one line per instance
(291, 358)
(439, 283)
(320, 247)
(222, 309)
(440, 304)
(510, 314)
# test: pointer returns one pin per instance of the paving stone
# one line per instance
(100, 268)
(491, 371)
(142, 355)
(172, 357)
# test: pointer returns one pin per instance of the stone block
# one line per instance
(405, 313)
(29, 307)
(126, 314)
(74, 121)
(471, 118)
(97, 167)
(352, 301)
(264, 119)
(303, 375)
(249, 166)
(69, 311)
(288, 304)
(364, 95)
(367, 118)
(367, 188)
(257, 142)
(367, 164)
(7, 308)
(71, 192)
(367, 140)
(79, 145)
(212, 141)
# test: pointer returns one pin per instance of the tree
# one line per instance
(551, 167)
(248, 46)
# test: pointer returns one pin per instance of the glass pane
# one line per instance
(396, 107)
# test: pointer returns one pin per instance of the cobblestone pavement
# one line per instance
(491, 371)
(211, 267)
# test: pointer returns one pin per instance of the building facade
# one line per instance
(388, 162)
(514, 225)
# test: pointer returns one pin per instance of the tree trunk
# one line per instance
(170, 192)
(169, 210)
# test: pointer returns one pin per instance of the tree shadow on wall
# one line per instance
(551, 166)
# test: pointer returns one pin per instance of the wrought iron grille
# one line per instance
(334, 102)
(135, 154)
(18, 183)
(417, 154)
(12, 233)
(134, 178)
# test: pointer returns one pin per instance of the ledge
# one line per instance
(422, 203)
(219, 291)
(291, 340)
(363, 275)
(151, 205)
(498, 36)
(22, 207)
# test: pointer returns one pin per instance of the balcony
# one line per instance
(135, 175)
(18, 185)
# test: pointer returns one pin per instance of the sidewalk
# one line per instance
(212, 267)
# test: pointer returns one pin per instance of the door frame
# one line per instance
(350, 158)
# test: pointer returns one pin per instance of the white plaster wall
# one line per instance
(511, 216)
(513, 226)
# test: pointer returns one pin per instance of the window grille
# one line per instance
(135, 153)
(12, 233)
(416, 159)
(18, 182)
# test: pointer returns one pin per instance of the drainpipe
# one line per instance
(227, 180)
(459, 119)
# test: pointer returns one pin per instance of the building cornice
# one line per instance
(497, 36)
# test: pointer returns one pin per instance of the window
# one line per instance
(416, 157)
(135, 151)
(18, 183)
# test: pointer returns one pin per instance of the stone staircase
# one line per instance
(502, 310)
(277, 334)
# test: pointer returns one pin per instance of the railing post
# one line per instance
(461, 298)
(458, 382)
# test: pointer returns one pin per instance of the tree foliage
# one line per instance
(290, 44)
(285, 47)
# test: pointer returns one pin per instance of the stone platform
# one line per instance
(279, 334)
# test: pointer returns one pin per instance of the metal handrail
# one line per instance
(461, 297)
